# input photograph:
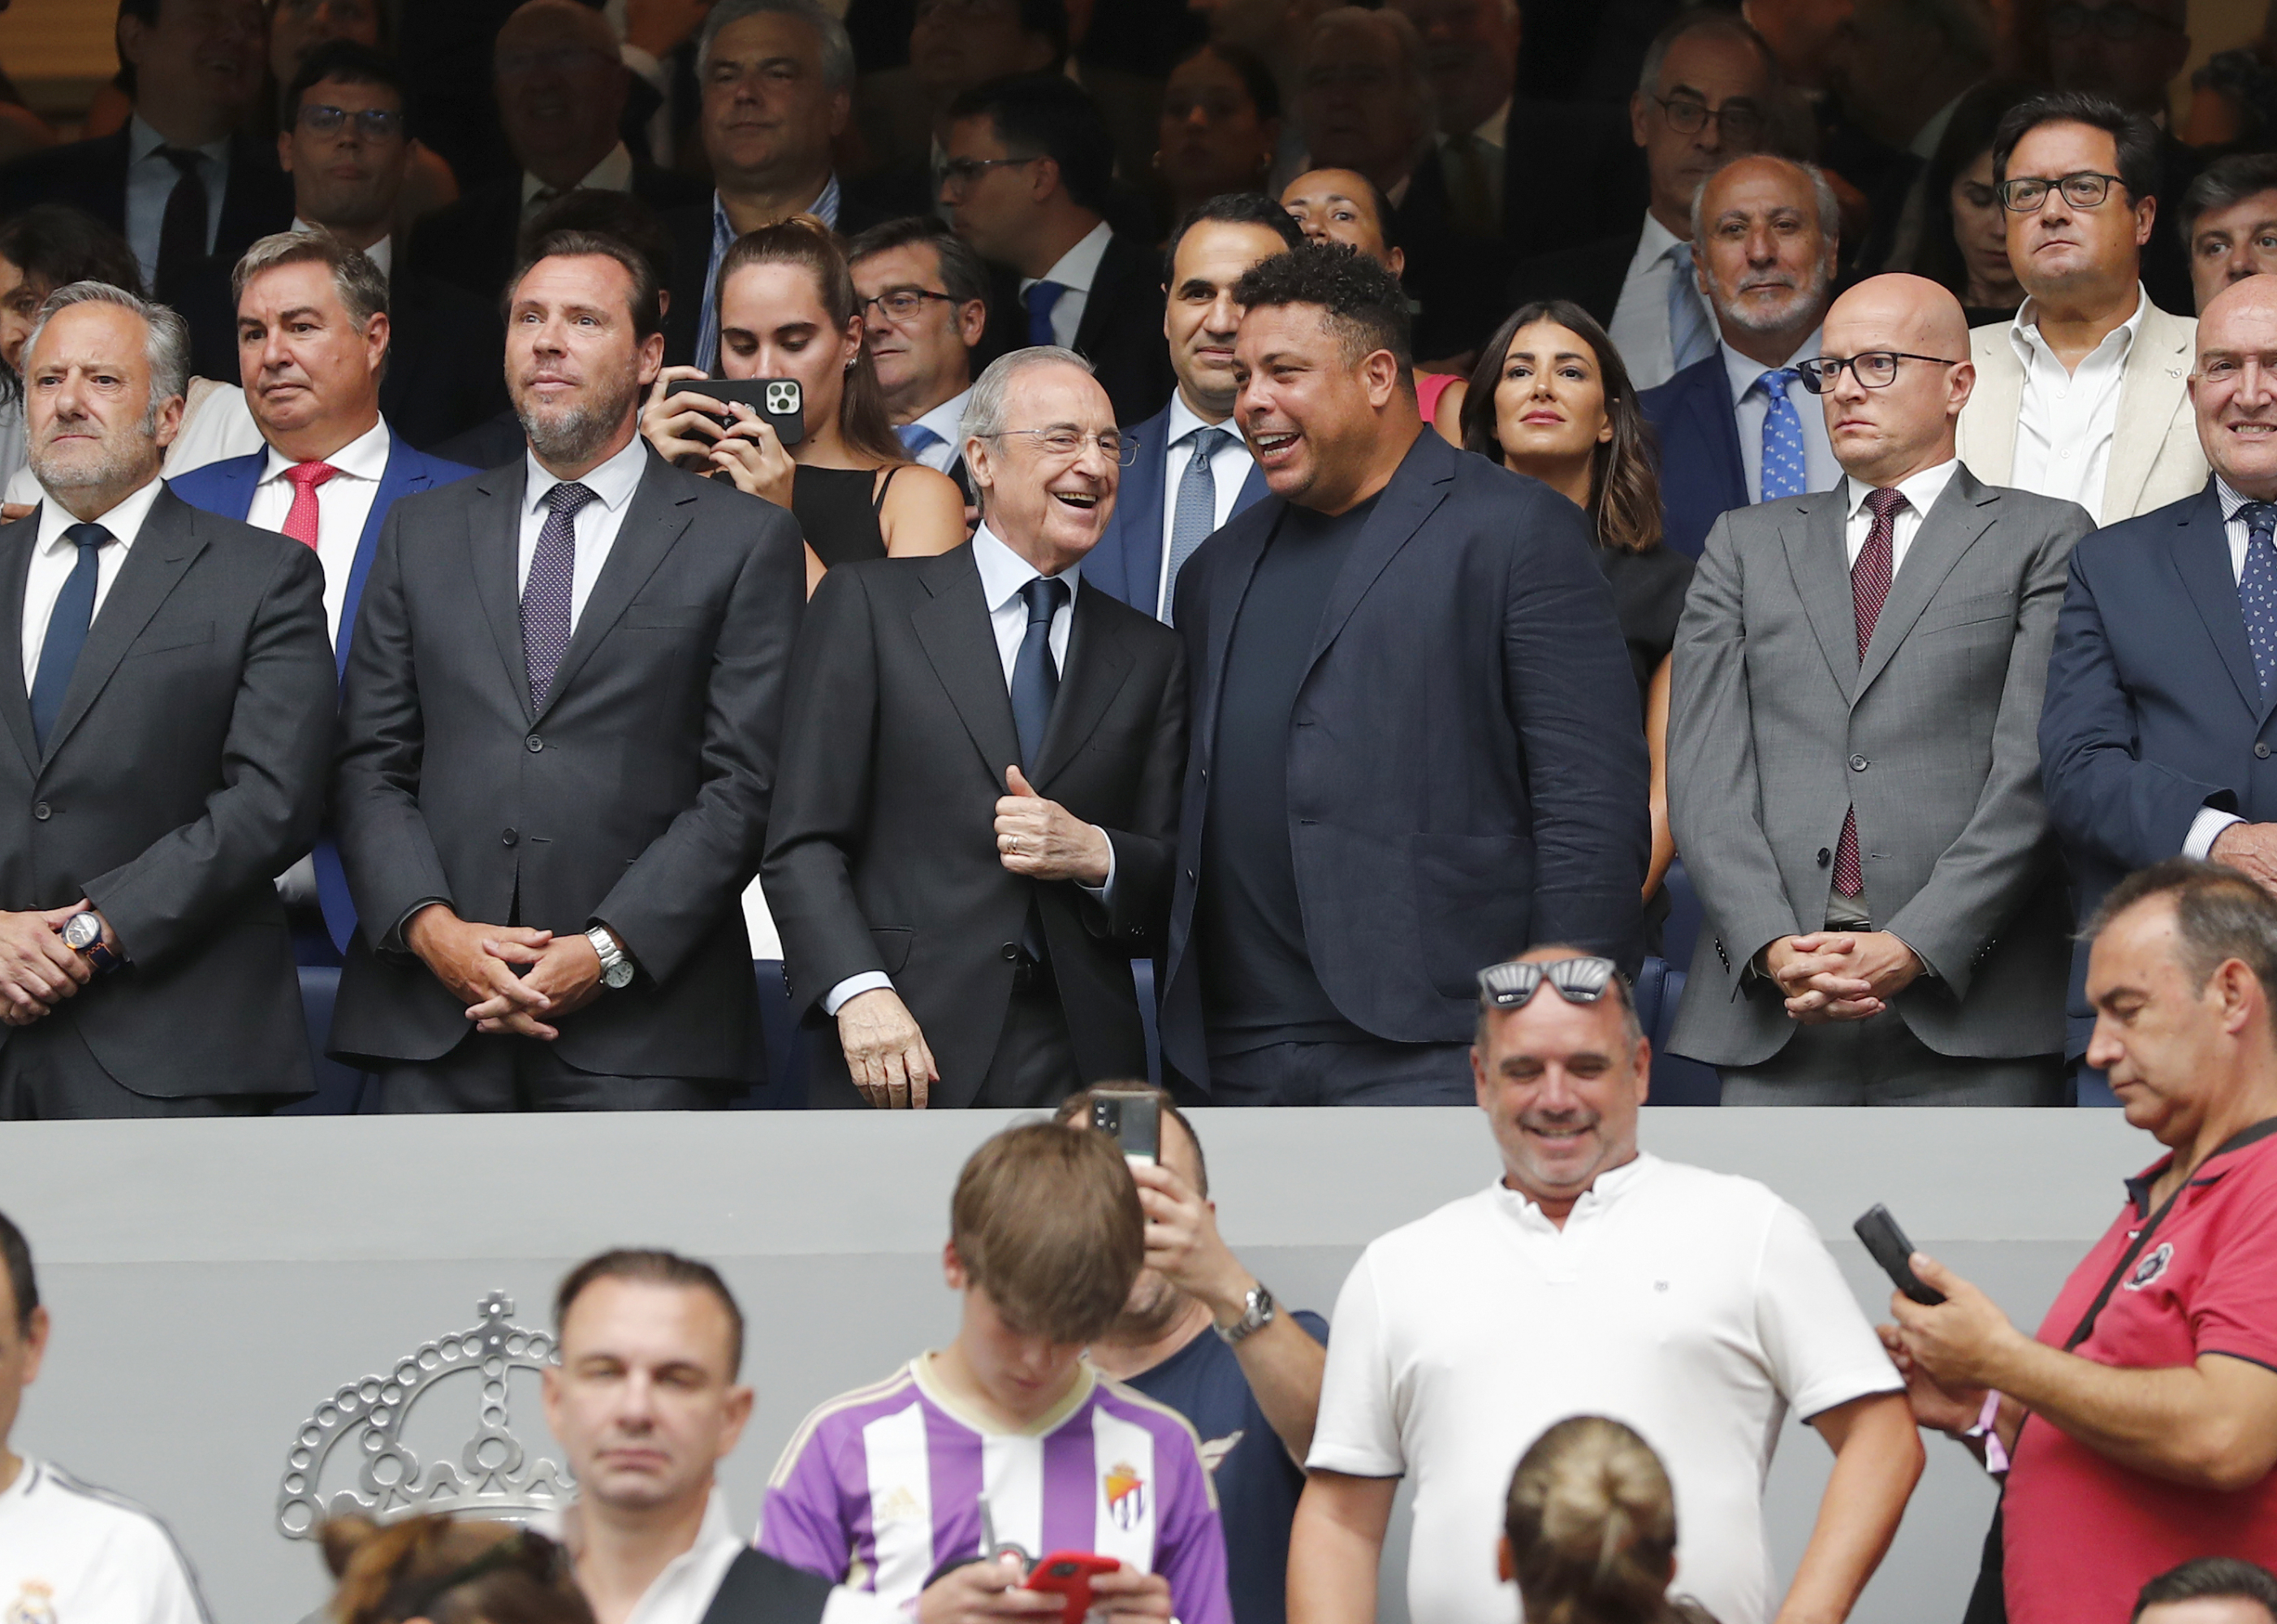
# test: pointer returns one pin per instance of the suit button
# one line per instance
(1190, 874)
(2262, 752)
(1009, 951)
(1206, 775)
(509, 837)
(1824, 857)
(1857, 763)
(41, 812)
(534, 744)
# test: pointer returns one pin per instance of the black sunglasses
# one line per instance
(1578, 981)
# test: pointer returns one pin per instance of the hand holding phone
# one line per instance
(1134, 1121)
(1888, 1246)
(1068, 1575)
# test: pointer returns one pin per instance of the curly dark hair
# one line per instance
(1624, 486)
(1362, 300)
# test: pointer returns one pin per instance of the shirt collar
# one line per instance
(566, 1526)
(2231, 499)
(824, 208)
(1654, 243)
(2024, 332)
(613, 482)
(1004, 572)
(1606, 1187)
(1075, 268)
(1921, 490)
(1493, 129)
(948, 419)
(124, 521)
(142, 141)
(1743, 371)
(381, 254)
(364, 457)
(612, 173)
(1186, 422)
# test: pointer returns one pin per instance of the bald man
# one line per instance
(1853, 774)
(2157, 734)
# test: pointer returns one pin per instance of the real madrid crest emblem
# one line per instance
(34, 1604)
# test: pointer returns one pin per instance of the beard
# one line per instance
(1755, 315)
(114, 465)
(1153, 1306)
(573, 432)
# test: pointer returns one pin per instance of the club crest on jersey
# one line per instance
(2153, 1264)
(1126, 1495)
(35, 1603)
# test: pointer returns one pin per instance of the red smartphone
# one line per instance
(1068, 1575)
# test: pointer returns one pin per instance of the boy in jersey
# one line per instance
(70, 1554)
(1007, 1437)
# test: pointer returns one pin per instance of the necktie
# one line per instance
(545, 596)
(1784, 473)
(182, 228)
(1041, 297)
(1035, 679)
(2256, 588)
(1690, 337)
(1195, 516)
(301, 519)
(66, 630)
(916, 440)
(1471, 177)
(1869, 589)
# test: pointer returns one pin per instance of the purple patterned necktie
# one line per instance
(545, 595)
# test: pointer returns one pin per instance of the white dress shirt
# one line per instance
(948, 421)
(2065, 419)
(2211, 821)
(597, 522)
(1920, 492)
(54, 558)
(612, 173)
(1229, 465)
(1751, 407)
(343, 506)
(1639, 327)
(381, 254)
(150, 182)
(1073, 270)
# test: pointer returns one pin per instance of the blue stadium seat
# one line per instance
(339, 1089)
(1646, 992)
(1676, 1080)
(1679, 936)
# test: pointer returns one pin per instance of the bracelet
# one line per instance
(1988, 1428)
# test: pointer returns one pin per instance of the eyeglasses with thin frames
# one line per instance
(371, 123)
(1737, 121)
(1065, 445)
(1875, 368)
(901, 304)
(2085, 189)
(958, 173)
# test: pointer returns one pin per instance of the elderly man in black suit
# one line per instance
(1416, 748)
(980, 781)
(557, 740)
(168, 740)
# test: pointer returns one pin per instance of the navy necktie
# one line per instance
(67, 627)
(182, 228)
(2256, 588)
(1035, 679)
(545, 596)
(1041, 297)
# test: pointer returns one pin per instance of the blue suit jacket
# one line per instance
(226, 488)
(2153, 707)
(1702, 478)
(1127, 563)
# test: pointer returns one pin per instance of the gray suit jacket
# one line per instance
(1776, 729)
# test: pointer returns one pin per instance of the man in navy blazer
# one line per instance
(312, 346)
(1738, 428)
(2157, 734)
(1416, 749)
(1193, 471)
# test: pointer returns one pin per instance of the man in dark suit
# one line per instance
(176, 182)
(170, 734)
(1416, 746)
(314, 339)
(925, 310)
(1739, 427)
(2155, 739)
(981, 776)
(557, 738)
(561, 87)
(1194, 470)
(1026, 181)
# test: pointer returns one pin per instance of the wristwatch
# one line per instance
(1255, 1317)
(83, 934)
(616, 967)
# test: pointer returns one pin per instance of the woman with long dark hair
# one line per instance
(1551, 398)
(1964, 233)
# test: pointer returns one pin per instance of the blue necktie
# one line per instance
(2257, 589)
(916, 440)
(1785, 471)
(1691, 338)
(1195, 516)
(66, 630)
(1041, 297)
(1035, 679)
(545, 595)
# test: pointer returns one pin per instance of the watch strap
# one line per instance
(1256, 1316)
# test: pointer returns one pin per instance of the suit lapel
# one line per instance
(494, 540)
(1238, 549)
(1950, 527)
(396, 480)
(1715, 393)
(1989, 421)
(2149, 402)
(952, 625)
(161, 555)
(241, 476)
(1095, 669)
(17, 541)
(1254, 489)
(1417, 488)
(2201, 558)
(654, 520)
(1811, 531)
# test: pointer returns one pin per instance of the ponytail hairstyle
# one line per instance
(1591, 1522)
(805, 241)
(432, 1568)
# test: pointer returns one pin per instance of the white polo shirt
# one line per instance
(1695, 1307)
(70, 1554)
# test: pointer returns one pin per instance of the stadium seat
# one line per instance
(339, 1089)
(1676, 1080)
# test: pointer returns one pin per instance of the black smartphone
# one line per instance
(778, 400)
(1134, 1120)
(1889, 1247)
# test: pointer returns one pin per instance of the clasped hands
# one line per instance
(1840, 975)
(37, 970)
(513, 978)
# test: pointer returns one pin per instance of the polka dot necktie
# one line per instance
(1869, 589)
(546, 597)
(301, 519)
(1784, 472)
(2256, 588)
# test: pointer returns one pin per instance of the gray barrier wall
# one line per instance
(213, 1282)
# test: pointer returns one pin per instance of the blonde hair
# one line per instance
(1592, 1526)
(452, 1572)
(1048, 1223)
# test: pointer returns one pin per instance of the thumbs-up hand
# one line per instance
(1042, 840)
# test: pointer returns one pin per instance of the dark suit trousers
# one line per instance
(1879, 1062)
(496, 1071)
(46, 1073)
(1374, 1072)
(1033, 1069)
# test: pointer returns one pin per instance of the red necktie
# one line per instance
(300, 522)
(1869, 589)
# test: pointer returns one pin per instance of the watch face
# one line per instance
(618, 975)
(82, 932)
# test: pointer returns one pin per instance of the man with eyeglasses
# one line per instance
(925, 313)
(1854, 778)
(2081, 396)
(973, 830)
(1594, 1278)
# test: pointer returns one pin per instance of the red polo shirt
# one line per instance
(2082, 1533)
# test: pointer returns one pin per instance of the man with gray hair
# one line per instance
(1738, 427)
(968, 914)
(170, 736)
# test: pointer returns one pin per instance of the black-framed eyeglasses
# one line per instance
(1738, 121)
(899, 304)
(2115, 23)
(371, 123)
(1875, 368)
(2087, 189)
(1578, 981)
(958, 173)
(1066, 445)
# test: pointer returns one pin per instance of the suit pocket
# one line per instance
(892, 944)
(1976, 609)
(194, 635)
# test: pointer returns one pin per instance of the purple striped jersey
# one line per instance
(881, 1489)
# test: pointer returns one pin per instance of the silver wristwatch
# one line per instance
(616, 968)
(1255, 1317)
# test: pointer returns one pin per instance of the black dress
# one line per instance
(1648, 590)
(838, 514)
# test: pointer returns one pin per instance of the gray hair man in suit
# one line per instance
(1853, 774)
